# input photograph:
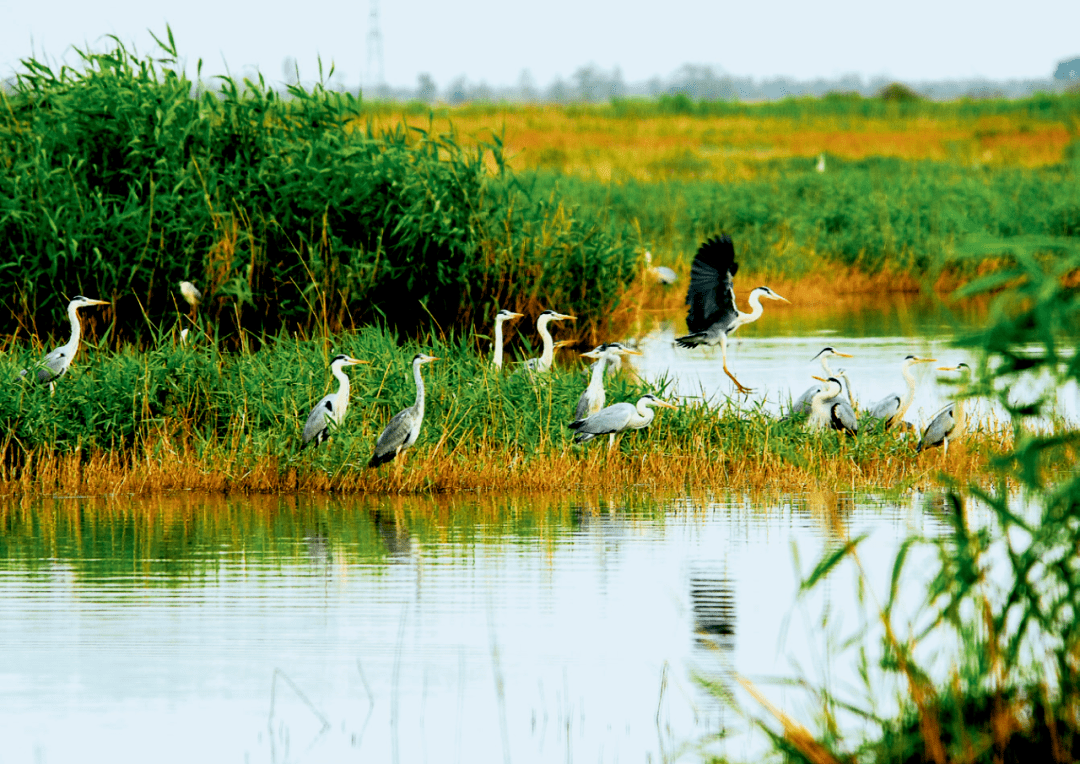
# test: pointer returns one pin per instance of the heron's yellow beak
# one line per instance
(778, 297)
(516, 315)
(948, 368)
(819, 379)
(628, 351)
(97, 302)
(665, 404)
(355, 361)
(843, 355)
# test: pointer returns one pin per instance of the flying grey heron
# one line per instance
(949, 423)
(543, 363)
(661, 273)
(55, 364)
(404, 428)
(802, 404)
(592, 400)
(502, 315)
(827, 409)
(892, 408)
(711, 297)
(618, 418)
(192, 295)
(330, 408)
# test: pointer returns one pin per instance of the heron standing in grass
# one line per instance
(711, 297)
(502, 315)
(949, 423)
(802, 404)
(827, 409)
(331, 408)
(618, 418)
(404, 428)
(593, 399)
(892, 408)
(55, 364)
(543, 363)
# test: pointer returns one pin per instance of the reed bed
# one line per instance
(189, 416)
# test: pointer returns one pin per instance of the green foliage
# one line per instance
(121, 178)
(877, 214)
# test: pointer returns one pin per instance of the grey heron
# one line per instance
(404, 427)
(802, 404)
(827, 409)
(502, 315)
(192, 295)
(332, 407)
(661, 273)
(949, 423)
(711, 297)
(618, 418)
(55, 364)
(892, 408)
(592, 400)
(543, 363)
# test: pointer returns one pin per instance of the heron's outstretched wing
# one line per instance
(614, 418)
(711, 296)
(939, 428)
(318, 421)
(393, 437)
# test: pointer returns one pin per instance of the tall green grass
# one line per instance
(121, 177)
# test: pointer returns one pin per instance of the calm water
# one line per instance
(471, 629)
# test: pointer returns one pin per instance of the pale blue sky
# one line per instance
(494, 40)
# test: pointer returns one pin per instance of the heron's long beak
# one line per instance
(775, 296)
(354, 361)
(591, 354)
(843, 355)
(97, 302)
(948, 368)
(819, 379)
(665, 404)
(515, 315)
(628, 351)
(563, 316)
(925, 360)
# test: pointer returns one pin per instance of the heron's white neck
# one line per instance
(341, 397)
(818, 414)
(909, 396)
(497, 360)
(755, 309)
(549, 344)
(419, 387)
(596, 381)
(645, 412)
(72, 345)
(826, 367)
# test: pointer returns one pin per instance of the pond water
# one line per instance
(472, 628)
(464, 629)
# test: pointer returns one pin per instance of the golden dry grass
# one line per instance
(725, 148)
(491, 466)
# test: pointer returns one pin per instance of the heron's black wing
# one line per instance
(711, 296)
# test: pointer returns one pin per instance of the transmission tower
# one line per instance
(375, 74)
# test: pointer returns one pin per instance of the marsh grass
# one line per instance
(192, 417)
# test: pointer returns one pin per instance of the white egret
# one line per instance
(711, 297)
(404, 428)
(893, 407)
(543, 363)
(618, 418)
(332, 407)
(950, 423)
(802, 404)
(827, 409)
(593, 399)
(55, 364)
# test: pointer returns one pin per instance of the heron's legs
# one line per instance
(723, 354)
(611, 441)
